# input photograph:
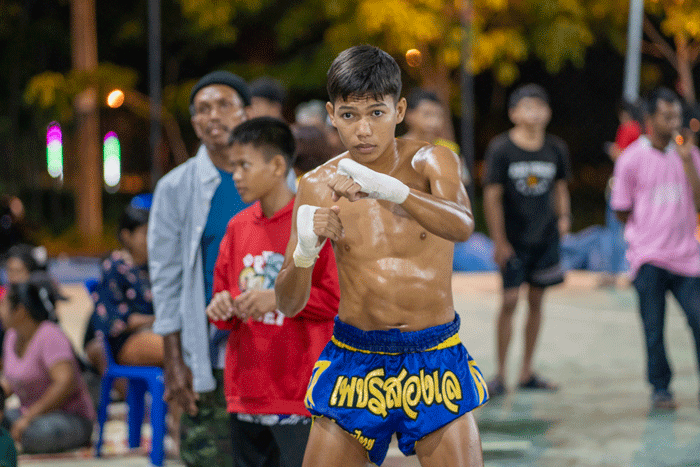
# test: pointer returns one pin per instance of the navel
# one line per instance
(423, 235)
(347, 247)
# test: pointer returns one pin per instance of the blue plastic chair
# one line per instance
(141, 379)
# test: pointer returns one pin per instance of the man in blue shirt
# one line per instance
(192, 205)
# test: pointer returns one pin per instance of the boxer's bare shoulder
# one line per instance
(313, 186)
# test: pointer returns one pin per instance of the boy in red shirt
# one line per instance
(269, 357)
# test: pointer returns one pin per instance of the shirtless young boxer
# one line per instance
(392, 209)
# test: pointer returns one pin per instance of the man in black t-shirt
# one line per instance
(527, 207)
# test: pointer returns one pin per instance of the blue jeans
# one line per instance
(612, 243)
(652, 283)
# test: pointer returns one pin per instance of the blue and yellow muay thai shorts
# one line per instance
(377, 383)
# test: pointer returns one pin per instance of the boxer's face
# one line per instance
(366, 125)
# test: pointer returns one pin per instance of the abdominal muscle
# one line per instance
(396, 293)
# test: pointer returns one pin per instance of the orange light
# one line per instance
(679, 140)
(414, 57)
(115, 98)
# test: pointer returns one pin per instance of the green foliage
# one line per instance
(54, 92)
(213, 19)
(503, 32)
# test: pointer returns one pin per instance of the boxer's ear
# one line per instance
(331, 113)
(401, 106)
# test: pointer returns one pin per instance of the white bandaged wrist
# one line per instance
(376, 185)
(306, 252)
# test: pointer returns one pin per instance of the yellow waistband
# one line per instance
(449, 342)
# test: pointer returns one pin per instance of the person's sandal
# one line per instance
(496, 387)
(538, 384)
(663, 400)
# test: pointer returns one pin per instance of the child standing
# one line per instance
(269, 357)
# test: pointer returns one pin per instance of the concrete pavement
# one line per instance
(591, 343)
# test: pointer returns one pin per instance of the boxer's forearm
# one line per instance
(293, 288)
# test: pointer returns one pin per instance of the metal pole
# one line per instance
(633, 59)
(467, 96)
(154, 87)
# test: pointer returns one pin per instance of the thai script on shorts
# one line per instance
(379, 395)
(367, 443)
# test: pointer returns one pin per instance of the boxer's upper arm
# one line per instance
(442, 169)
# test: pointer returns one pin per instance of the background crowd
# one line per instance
(153, 296)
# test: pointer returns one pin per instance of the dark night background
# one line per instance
(35, 37)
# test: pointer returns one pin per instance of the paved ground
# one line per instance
(591, 344)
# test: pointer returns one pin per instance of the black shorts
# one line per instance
(275, 444)
(538, 265)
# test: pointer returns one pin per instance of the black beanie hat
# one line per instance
(227, 79)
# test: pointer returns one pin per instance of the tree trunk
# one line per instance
(88, 188)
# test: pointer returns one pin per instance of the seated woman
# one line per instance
(123, 305)
(56, 412)
(21, 261)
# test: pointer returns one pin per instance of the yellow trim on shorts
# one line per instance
(449, 342)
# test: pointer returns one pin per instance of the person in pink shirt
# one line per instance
(56, 412)
(656, 193)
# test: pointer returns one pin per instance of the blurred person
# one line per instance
(12, 230)
(56, 412)
(333, 138)
(311, 113)
(527, 208)
(314, 113)
(630, 116)
(425, 119)
(267, 98)
(425, 116)
(192, 205)
(265, 396)
(123, 301)
(8, 451)
(395, 210)
(22, 260)
(656, 193)
(312, 149)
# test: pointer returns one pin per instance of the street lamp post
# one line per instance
(633, 58)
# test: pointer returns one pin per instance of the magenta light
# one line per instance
(53, 134)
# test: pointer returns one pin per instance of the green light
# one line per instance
(54, 150)
(111, 160)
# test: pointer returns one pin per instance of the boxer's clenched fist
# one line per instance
(354, 181)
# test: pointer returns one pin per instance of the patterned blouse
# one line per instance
(123, 290)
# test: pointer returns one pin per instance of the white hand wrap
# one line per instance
(375, 184)
(306, 251)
